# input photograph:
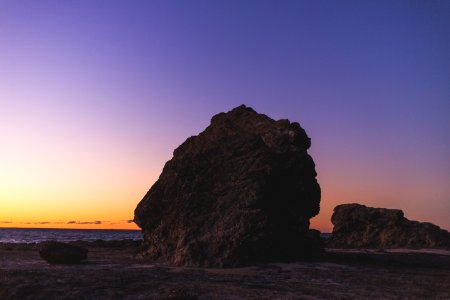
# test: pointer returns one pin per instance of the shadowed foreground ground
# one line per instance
(112, 273)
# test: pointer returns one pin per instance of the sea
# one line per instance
(36, 235)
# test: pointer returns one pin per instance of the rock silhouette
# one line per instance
(359, 226)
(240, 192)
(62, 253)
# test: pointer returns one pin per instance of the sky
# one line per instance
(95, 95)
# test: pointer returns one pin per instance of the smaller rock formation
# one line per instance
(62, 253)
(359, 226)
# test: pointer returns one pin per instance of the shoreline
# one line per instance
(113, 271)
(99, 243)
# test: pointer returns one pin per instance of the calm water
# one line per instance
(34, 235)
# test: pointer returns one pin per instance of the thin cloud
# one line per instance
(73, 222)
(88, 222)
(40, 222)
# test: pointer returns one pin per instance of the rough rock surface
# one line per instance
(240, 192)
(359, 226)
(62, 253)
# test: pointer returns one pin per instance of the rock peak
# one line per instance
(243, 107)
(246, 119)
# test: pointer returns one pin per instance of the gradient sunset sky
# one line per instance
(95, 95)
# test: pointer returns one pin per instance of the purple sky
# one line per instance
(95, 95)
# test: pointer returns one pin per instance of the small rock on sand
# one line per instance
(62, 253)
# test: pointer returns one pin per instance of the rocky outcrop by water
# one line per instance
(359, 226)
(240, 192)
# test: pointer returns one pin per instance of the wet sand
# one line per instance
(114, 273)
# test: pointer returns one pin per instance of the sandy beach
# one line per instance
(113, 272)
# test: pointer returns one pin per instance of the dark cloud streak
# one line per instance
(72, 222)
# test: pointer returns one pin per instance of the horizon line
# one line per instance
(15, 227)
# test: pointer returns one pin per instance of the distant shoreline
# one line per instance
(58, 228)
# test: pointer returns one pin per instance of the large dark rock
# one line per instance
(240, 192)
(359, 226)
(62, 253)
